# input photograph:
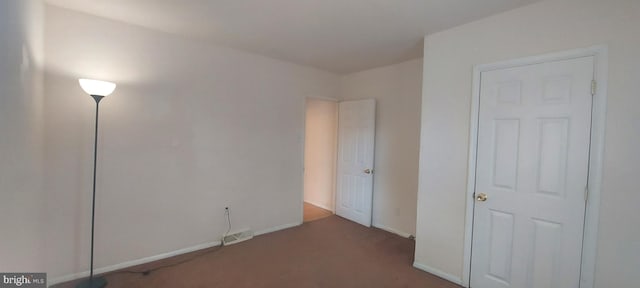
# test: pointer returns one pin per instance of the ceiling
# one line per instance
(340, 36)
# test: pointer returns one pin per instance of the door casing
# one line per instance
(600, 54)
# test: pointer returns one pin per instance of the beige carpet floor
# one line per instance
(331, 252)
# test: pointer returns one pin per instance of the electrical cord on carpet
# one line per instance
(149, 271)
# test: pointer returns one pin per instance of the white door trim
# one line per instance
(600, 54)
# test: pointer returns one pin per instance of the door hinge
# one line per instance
(586, 194)
(594, 87)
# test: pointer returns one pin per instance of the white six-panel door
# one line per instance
(532, 166)
(356, 133)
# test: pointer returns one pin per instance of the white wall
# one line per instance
(548, 26)
(320, 145)
(191, 128)
(21, 196)
(396, 89)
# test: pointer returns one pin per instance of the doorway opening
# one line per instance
(320, 148)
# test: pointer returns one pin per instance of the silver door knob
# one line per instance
(368, 171)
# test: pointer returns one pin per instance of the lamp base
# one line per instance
(98, 282)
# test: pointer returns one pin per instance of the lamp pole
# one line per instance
(98, 90)
(95, 162)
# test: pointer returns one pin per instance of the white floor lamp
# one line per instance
(98, 90)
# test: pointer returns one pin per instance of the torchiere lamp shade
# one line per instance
(97, 87)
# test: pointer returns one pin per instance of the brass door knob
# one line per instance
(368, 171)
(481, 197)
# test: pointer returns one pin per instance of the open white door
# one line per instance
(531, 175)
(356, 133)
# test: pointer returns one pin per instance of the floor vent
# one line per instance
(237, 237)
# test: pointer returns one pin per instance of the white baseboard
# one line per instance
(391, 230)
(131, 263)
(277, 228)
(325, 207)
(436, 272)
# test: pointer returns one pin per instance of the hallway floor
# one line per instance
(312, 212)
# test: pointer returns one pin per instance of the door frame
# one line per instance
(596, 153)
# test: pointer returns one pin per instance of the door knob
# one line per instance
(481, 197)
(368, 171)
